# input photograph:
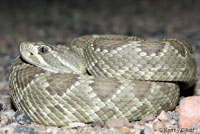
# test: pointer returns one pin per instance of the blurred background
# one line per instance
(60, 21)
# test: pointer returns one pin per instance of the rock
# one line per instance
(117, 123)
(189, 113)
(173, 115)
(84, 130)
(149, 125)
(52, 130)
(6, 130)
(163, 116)
(173, 122)
(137, 131)
(5, 102)
(6, 117)
(137, 126)
(76, 124)
(150, 117)
(25, 130)
(66, 130)
(97, 124)
(8, 113)
(169, 125)
(148, 130)
(123, 129)
(142, 131)
(22, 118)
(197, 88)
(158, 126)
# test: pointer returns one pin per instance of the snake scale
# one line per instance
(99, 77)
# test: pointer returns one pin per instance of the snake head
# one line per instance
(31, 50)
(54, 58)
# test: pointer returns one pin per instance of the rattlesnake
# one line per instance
(99, 77)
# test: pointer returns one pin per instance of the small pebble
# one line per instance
(169, 125)
(148, 130)
(150, 117)
(25, 130)
(117, 123)
(66, 130)
(137, 131)
(22, 118)
(52, 130)
(99, 124)
(4, 120)
(173, 115)
(76, 124)
(5, 102)
(124, 129)
(173, 122)
(6, 130)
(163, 116)
(149, 125)
(137, 126)
(158, 126)
(8, 113)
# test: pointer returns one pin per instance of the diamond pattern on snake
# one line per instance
(99, 78)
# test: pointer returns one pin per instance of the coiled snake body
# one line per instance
(99, 77)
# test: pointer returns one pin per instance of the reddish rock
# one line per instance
(189, 112)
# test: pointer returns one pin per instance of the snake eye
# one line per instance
(43, 50)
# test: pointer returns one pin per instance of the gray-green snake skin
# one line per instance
(99, 77)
